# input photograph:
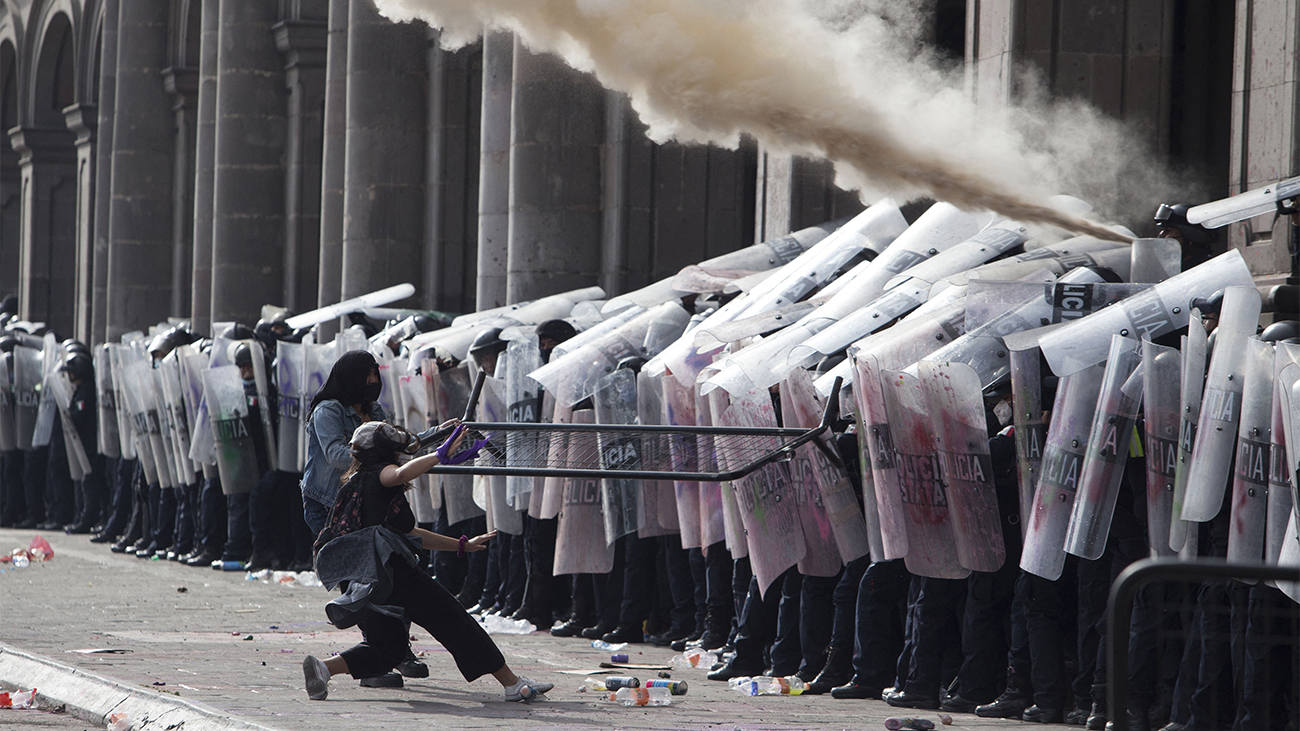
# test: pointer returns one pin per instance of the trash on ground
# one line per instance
(495, 625)
(119, 722)
(101, 651)
(642, 696)
(791, 685)
(40, 550)
(607, 646)
(693, 658)
(283, 578)
(18, 699)
(622, 681)
(676, 687)
(621, 657)
(913, 724)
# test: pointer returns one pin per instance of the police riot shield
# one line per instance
(580, 546)
(1161, 373)
(931, 542)
(290, 372)
(828, 509)
(1155, 260)
(1113, 424)
(449, 395)
(389, 398)
(1290, 556)
(173, 403)
(766, 498)
(679, 410)
(1161, 309)
(26, 393)
(8, 435)
(129, 378)
(870, 511)
(503, 514)
(1281, 500)
(1247, 529)
(266, 404)
(236, 454)
(1216, 431)
(622, 505)
(142, 377)
(523, 405)
(1027, 419)
(1191, 384)
(318, 361)
(108, 440)
(1043, 554)
(61, 394)
(953, 399)
(202, 447)
(712, 519)
(116, 357)
(46, 410)
(660, 498)
(878, 436)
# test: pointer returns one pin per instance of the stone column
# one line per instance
(248, 182)
(494, 170)
(46, 239)
(140, 214)
(10, 220)
(303, 44)
(333, 161)
(383, 198)
(183, 85)
(558, 122)
(205, 143)
(82, 122)
(614, 239)
(103, 172)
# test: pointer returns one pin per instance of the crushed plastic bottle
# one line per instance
(642, 696)
(40, 549)
(768, 686)
(607, 646)
(18, 699)
(694, 658)
(231, 566)
(495, 625)
(308, 578)
(744, 685)
(119, 722)
(594, 685)
(21, 561)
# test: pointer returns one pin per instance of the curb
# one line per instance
(93, 698)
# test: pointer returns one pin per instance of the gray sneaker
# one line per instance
(526, 689)
(317, 677)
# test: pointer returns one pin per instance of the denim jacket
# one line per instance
(328, 455)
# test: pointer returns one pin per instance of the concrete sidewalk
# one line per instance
(209, 650)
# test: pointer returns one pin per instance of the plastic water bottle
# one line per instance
(745, 685)
(694, 658)
(18, 699)
(230, 566)
(643, 696)
(607, 646)
(21, 561)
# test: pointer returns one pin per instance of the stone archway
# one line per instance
(47, 160)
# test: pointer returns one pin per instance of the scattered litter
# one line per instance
(248, 638)
(159, 682)
(622, 681)
(247, 611)
(181, 590)
(495, 625)
(945, 719)
(18, 699)
(285, 650)
(275, 626)
(609, 647)
(676, 687)
(633, 666)
(642, 696)
(618, 658)
(762, 685)
(693, 658)
(119, 722)
(283, 578)
(665, 674)
(40, 550)
(912, 724)
(101, 651)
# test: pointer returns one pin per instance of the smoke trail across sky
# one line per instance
(844, 79)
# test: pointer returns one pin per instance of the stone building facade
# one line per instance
(199, 158)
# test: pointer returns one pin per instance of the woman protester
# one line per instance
(367, 548)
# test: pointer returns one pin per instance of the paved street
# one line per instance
(237, 646)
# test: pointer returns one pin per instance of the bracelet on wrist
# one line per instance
(461, 552)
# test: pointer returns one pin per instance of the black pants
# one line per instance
(539, 557)
(878, 642)
(639, 583)
(758, 618)
(13, 498)
(676, 565)
(119, 508)
(818, 612)
(936, 622)
(984, 632)
(432, 607)
(60, 490)
(34, 469)
(239, 536)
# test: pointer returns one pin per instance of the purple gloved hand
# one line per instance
(443, 450)
(467, 454)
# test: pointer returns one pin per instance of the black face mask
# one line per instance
(371, 391)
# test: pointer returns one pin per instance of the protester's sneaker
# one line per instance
(526, 690)
(317, 677)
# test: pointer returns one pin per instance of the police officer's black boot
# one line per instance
(837, 671)
(1097, 719)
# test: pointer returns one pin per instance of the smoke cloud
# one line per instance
(847, 80)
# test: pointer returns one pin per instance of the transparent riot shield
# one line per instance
(1247, 529)
(318, 361)
(142, 375)
(168, 377)
(1043, 554)
(1216, 431)
(1161, 373)
(931, 543)
(809, 470)
(766, 498)
(679, 410)
(8, 433)
(878, 437)
(1118, 406)
(449, 395)
(202, 445)
(954, 401)
(1161, 309)
(46, 411)
(114, 355)
(129, 379)
(1030, 429)
(503, 514)
(266, 404)
(26, 393)
(801, 409)
(712, 519)
(580, 546)
(1155, 260)
(660, 495)
(622, 505)
(290, 372)
(61, 393)
(107, 438)
(523, 405)
(870, 510)
(236, 454)
(1281, 485)
(1191, 385)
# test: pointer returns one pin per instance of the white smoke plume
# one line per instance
(844, 79)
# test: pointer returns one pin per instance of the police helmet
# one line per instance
(243, 355)
(557, 330)
(1175, 216)
(487, 342)
(1282, 331)
(79, 366)
(1209, 305)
